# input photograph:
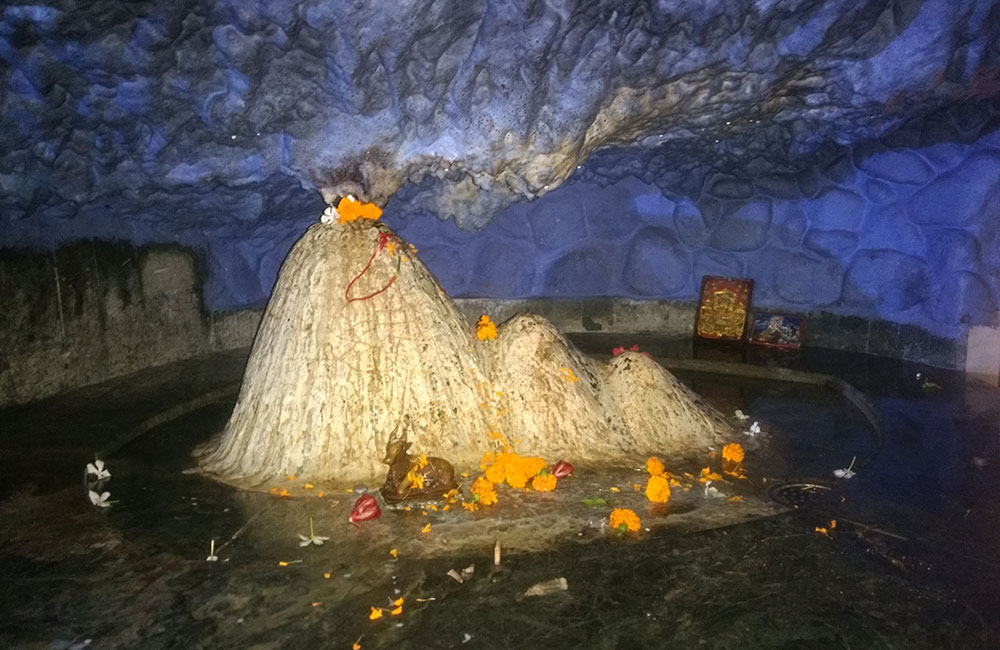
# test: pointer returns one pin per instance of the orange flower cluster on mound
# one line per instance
(350, 209)
(486, 330)
(623, 519)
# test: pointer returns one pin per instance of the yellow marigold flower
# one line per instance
(624, 517)
(426, 529)
(470, 506)
(544, 483)
(708, 475)
(516, 476)
(375, 614)
(421, 461)
(483, 489)
(486, 330)
(350, 209)
(733, 452)
(488, 459)
(496, 473)
(655, 466)
(531, 465)
(658, 489)
(416, 480)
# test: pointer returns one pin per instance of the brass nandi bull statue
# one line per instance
(414, 477)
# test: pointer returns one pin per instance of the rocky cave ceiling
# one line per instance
(191, 112)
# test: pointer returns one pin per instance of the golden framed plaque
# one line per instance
(723, 306)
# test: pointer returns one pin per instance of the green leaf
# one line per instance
(595, 503)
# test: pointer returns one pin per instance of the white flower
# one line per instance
(99, 500)
(330, 215)
(740, 415)
(313, 537)
(754, 430)
(711, 491)
(97, 469)
(846, 473)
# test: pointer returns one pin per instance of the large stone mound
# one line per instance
(359, 340)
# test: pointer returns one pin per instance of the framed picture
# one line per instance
(776, 330)
(722, 308)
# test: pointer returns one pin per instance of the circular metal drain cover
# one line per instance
(797, 494)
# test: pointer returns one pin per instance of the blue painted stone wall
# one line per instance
(906, 235)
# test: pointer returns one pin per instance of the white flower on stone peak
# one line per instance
(740, 415)
(754, 430)
(97, 470)
(846, 473)
(330, 215)
(100, 500)
(313, 537)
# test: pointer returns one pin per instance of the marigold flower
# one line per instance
(496, 473)
(426, 529)
(658, 489)
(416, 480)
(486, 330)
(623, 519)
(375, 614)
(516, 476)
(350, 209)
(733, 453)
(483, 489)
(471, 506)
(708, 475)
(655, 466)
(544, 483)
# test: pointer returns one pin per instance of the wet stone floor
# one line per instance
(910, 563)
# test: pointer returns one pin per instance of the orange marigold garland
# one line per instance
(658, 489)
(624, 520)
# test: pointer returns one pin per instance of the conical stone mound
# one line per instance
(358, 340)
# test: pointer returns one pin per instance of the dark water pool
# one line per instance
(910, 563)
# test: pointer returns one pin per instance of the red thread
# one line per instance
(383, 238)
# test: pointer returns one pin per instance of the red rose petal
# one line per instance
(561, 469)
(365, 509)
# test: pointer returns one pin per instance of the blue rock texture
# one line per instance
(656, 139)
(841, 251)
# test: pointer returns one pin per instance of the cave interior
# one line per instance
(590, 162)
